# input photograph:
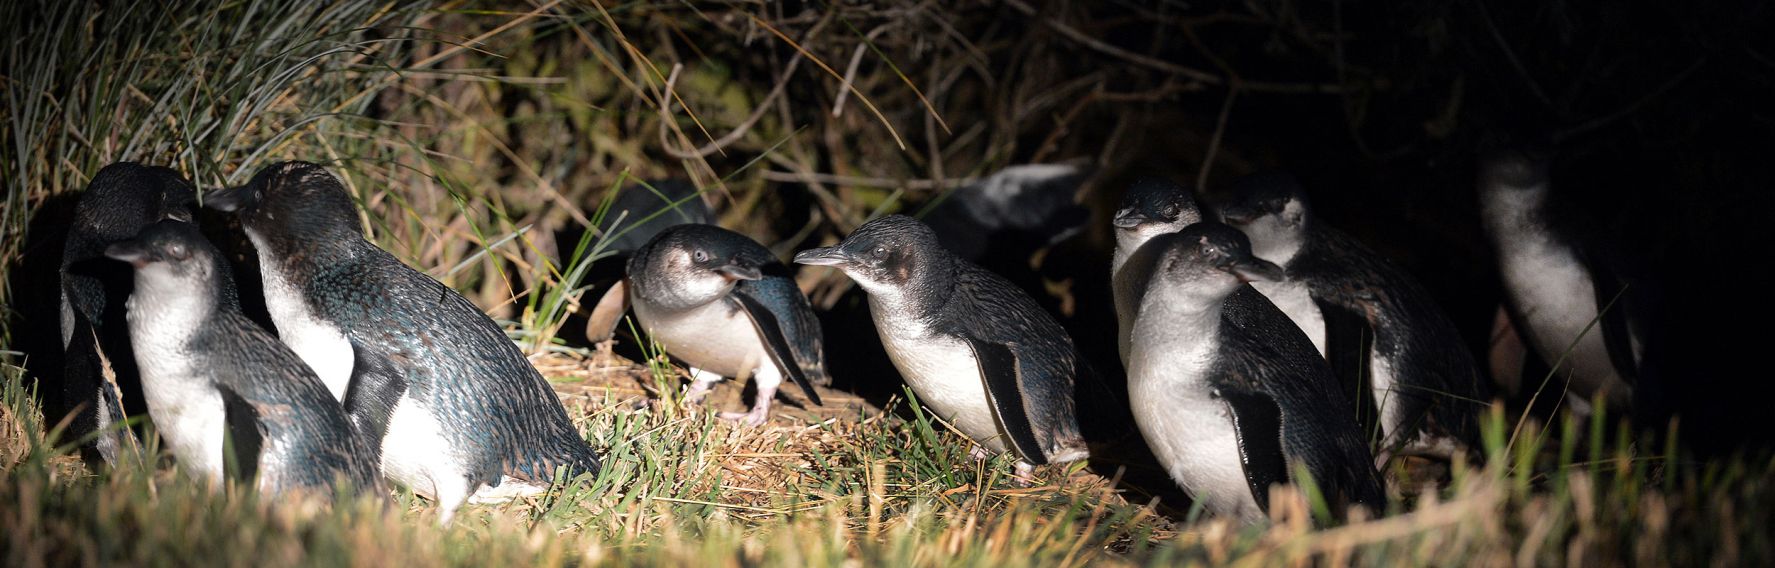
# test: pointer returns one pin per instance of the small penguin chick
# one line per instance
(721, 303)
(980, 353)
(222, 391)
(1422, 387)
(1151, 207)
(1227, 392)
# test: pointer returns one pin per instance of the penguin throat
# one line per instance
(1510, 212)
(166, 308)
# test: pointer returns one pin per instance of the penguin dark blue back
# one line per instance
(455, 405)
(122, 199)
(721, 303)
(1424, 389)
(214, 379)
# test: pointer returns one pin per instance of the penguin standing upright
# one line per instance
(213, 379)
(1556, 287)
(454, 404)
(1420, 375)
(977, 351)
(1228, 392)
(722, 304)
(122, 199)
(1151, 207)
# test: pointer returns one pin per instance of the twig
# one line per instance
(846, 84)
(738, 131)
(917, 184)
(1632, 107)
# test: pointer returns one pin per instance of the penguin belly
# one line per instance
(1556, 298)
(187, 411)
(1294, 299)
(943, 372)
(717, 337)
(416, 454)
(317, 341)
(1188, 429)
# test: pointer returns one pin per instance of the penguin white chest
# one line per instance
(1557, 299)
(317, 341)
(1294, 299)
(944, 374)
(181, 396)
(1188, 429)
(717, 337)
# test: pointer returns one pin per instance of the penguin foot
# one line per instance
(1023, 474)
(760, 410)
(509, 488)
(979, 453)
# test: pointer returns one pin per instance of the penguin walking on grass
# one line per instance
(1228, 392)
(122, 199)
(1417, 371)
(222, 391)
(721, 303)
(456, 407)
(976, 350)
(1557, 288)
(1151, 207)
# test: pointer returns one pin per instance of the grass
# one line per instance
(469, 135)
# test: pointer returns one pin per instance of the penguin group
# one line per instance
(1231, 316)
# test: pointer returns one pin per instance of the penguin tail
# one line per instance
(571, 453)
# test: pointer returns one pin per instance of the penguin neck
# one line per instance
(166, 310)
(1512, 213)
(283, 254)
(1130, 240)
(924, 292)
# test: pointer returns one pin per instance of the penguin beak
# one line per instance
(737, 272)
(131, 252)
(227, 200)
(1237, 217)
(1129, 218)
(1253, 269)
(826, 256)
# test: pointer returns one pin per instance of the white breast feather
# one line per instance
(319, 342)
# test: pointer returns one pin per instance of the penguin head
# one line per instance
(1152, 207)
(170, 255)
(292, 203)
(690, 265)
(125, 197)
(1212, 258)
(1271, 209)
(884, 255)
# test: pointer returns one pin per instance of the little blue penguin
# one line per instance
(1151, 207)
(122, 199)
(1228, 392)
(1419, 373)
(720, 302)
(1009, 214)
(215, 381)
(1555, 285)
(454, 404)
(976, 350)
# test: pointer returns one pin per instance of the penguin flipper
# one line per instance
(1004, 388)
(601, 325)
(1617, 335)
(245, 439)
(1257, 424)
(376, 386)
(771, 331)
(1349, 347)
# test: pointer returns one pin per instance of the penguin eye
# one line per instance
(879, 253)
(700, 256)
(178, 252)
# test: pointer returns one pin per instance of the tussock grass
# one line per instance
(470, 134)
